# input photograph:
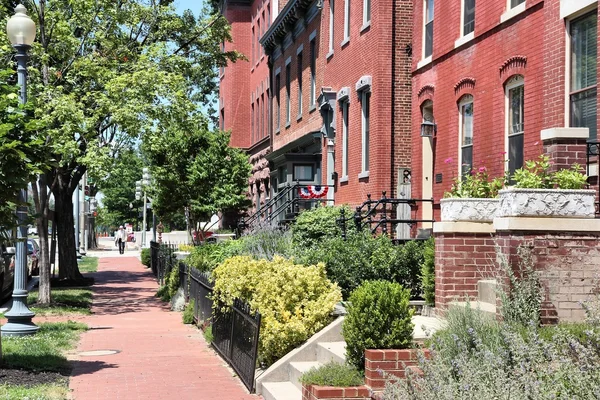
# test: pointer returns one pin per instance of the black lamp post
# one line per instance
(21, 32)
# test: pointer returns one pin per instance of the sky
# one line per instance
(193, 5)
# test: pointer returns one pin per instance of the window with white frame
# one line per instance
(428, 29)
(262, 116)
(252, 123)
(366, 12)
(313, 72)
(366, 111)
(331, 23)
(514, 3)
(465, 107)
(299, 63)
(278, 101)
(345, 109)
(253, 47)
(288, 94)
(515, 113)
(346, 21)
(258, 127)
(468, 24)
(584, 60)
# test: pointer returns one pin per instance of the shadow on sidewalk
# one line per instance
(83, 367)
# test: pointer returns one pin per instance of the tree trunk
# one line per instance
(41, 201)
(67, 253)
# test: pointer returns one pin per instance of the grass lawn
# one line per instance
(64, 301)
(88, 264)
(41, 355)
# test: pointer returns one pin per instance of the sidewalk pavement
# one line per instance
(157, 356)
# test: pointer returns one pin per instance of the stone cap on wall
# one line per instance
(565, 133)
(589, 225)
(463, 227)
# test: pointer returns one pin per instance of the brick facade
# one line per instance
(532, 43)
(391, 362)
(314, 392)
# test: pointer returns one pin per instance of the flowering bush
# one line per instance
(476, 185)
(295, 301)
(536, 175)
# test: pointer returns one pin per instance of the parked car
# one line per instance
(7, 270)
(32, 230)
(33, 251)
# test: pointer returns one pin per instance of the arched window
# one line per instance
(465, 108)
(515, 122)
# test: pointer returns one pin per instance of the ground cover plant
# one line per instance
(88, 264)
(295, 301)
(379, 317)
(36, 367)
(333, 374)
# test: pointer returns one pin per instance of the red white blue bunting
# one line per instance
(313, 192)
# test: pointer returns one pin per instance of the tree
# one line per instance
(103, 72)
(194, 168)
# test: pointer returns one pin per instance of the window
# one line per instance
(288, 105)
(278, 102)
(257, 39)
(366, 110)
(366, 12)
(262, 32)
(466, 134)
(468, 16)
(258, 125)
(303, 172)
(345, 106)
(222, 68)
(583, 94)
(346, 21)
(514, 3)
(267, 114)
(253, 47)
(252, 123)
(299, 61)
(268, 16)
(313, 73)
(515, 97)
(331, 24)
(262, 116)
(283, 174)
(222, 119)
(428, 31)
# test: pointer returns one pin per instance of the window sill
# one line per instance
(513, 12)
(329, 55)
(463, 40)
(288, 124)
(345, 42)
(277, 131)
(366, 26)
(299, 117)
(312, 108)
(363, 175)
(344, 179)
(424, 62)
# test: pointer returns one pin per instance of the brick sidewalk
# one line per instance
(159, 357)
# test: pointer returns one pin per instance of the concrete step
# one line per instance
(486, 308)
(331, 351)
(300, 367)
(487, 290)
(281, 391)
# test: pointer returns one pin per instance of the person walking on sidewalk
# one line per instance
(120, 239)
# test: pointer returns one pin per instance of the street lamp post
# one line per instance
(21, 32)
(145, 183)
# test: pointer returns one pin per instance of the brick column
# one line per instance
(565, 146)
(464, 255)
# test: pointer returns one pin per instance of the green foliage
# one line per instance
(522, 298)
(363, 257)
(208, 335)
(267, 242)
(188, 312)
(295, 301)
(476, 184)
(146, 257)
(333, 374)
(428, 272)
(206, 257)
(536, 175)
(379, 317)
(318, 224)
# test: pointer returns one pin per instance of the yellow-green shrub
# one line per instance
(295, 301)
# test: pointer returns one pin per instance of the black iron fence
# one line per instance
(235, 329)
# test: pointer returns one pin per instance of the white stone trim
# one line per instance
(463, 227)
(343, 94)
(312, 35)
(464, 39)
(300, 49)
(424, 62)
(591, 225)
(288, 61)
(565, 133)
(363, 175)
(364, 83)
(278, 71)
(570, 7)
(513, 12)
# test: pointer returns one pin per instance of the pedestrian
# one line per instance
(120, 239)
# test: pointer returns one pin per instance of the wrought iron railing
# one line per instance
(380, 216)
(235, 336)
(593, 161)
(201, 290)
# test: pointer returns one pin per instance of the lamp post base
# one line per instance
(19, 317)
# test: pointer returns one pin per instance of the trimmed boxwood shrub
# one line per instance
(318, 224)
(333, 374)
(145, 256)
(379, 317)
(428, 272)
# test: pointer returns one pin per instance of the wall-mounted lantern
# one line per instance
(428, 129)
